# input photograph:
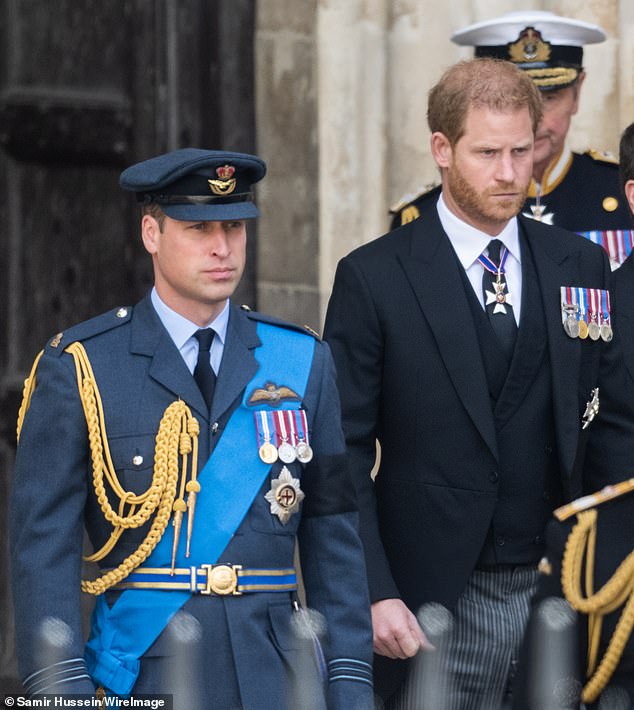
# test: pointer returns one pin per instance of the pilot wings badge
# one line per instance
(272, 395)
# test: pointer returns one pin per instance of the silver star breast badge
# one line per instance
(285, 496)
(592, 408)
(539, 214)
(498, 297)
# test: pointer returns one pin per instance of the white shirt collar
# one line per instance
(469, 242)
(180, 328)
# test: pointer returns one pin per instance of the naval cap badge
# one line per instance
(529, 47)
(285, 496)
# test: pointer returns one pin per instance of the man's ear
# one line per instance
(150, 233)
(629, 193)
(441, 149)
(577, 93)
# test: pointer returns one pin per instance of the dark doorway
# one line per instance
(87, 88)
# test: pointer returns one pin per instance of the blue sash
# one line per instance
(122, 634)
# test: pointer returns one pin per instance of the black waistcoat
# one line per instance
(528, 474)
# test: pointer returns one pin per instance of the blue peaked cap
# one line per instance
(192, 184)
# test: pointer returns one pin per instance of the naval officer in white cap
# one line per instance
(577, 191)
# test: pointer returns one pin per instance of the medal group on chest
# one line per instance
(586, 313)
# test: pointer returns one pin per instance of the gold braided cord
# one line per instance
(27, 393)
(552, 76)
(616, 592)
(177, 435)
(100, 451)
(165, 479)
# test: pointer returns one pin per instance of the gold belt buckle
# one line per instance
(221, 580)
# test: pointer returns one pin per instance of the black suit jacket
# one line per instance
(410, 374)
(624, 302)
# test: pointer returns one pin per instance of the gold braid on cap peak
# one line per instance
(177, 434)
(616, 592)
(553, 76)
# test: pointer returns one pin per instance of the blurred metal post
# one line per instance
(552, 681)
(307, 690)
(428, 683)
(54, 640)
(185, 634)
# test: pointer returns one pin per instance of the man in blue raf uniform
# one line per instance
(577, 191)
(197, 442)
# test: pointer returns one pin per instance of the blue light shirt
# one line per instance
(182, 332)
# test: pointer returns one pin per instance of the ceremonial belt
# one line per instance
(121, 634)
(218, 580)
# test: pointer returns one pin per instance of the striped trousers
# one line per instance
(474, 663)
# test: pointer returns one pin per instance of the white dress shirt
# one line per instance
(469, 242)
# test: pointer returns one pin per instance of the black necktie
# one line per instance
(496, 299)
(203, 373)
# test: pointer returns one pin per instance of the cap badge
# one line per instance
(530, 47)
(226, 183)
(285, 496)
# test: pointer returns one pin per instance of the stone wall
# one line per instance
(286, 114)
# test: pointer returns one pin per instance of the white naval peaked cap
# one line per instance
(548, 47)
(506, 28)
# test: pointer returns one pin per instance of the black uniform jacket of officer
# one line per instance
(411, 374)
(614, 544)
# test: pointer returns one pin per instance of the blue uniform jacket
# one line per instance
(247, 654)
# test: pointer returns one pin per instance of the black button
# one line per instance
(493, 477)
(499, 540)
(546, 495)
(538, 540)
(548, 450)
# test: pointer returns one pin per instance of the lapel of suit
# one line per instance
(239, 364)
(167, 367)
(557, 266)
(432, 270)
(531, 343)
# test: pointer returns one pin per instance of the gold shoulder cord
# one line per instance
(177, 435)
(616, 592)
(27, 393)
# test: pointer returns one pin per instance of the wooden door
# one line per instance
(86, 88)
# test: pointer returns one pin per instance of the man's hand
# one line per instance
(397, 633)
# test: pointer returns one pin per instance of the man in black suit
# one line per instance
(461, 342)
(624, 277)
